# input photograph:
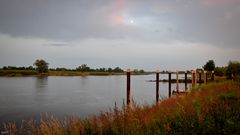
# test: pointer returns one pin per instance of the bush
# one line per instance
(233, 69)
(220, 71)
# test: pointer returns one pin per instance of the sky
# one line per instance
(142, 34)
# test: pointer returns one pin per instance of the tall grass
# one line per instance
(210, 109)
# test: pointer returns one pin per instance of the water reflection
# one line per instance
(84, 81)
(41, 89)
(41, 82)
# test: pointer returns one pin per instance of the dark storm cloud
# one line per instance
(214, 22)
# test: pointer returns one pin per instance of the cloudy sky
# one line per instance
(148, 34)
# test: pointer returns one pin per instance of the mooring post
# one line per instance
(169, 84)
(213, 76)
(205, 76)
(177, 82)
(200, 77)
(186, 80)
(128, 85)
(157, 85)
(193, 78)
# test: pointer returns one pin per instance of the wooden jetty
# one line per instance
(196, 79)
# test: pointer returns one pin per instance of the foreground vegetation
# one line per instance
(208, 109)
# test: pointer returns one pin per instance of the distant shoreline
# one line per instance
(19, 73)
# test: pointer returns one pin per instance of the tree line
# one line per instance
(232, 71)
(41, 66)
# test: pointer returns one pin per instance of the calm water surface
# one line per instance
(29, 97)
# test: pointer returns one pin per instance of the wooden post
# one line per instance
(205, 76)
(186, 80)
(200, 77)
(193, 78)
(157, 85)
(213, 76)
(169, 84)
(128, 85)
(177, 82)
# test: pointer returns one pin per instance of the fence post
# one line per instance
(157, 85)
(213, 76)
(128, 85)
(177, 82)
(193, 78)
(169, 84)
(186, 80)
(200, 77)
(205, 76)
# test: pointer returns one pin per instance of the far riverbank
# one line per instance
(12, 73)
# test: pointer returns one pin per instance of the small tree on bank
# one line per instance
(41, 66)
(209, 66)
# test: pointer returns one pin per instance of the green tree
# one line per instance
(135, 70)
(41, 66)
(117, 69)
(220, 71)
(109, 69)
(102, 69)
(141, 71)
(83, 68)
(209, 66)
(233, 69)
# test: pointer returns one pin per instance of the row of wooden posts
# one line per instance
(194, 82)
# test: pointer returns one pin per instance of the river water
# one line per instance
(30, 97)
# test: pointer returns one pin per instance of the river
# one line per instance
(30, 97)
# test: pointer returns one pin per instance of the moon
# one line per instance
(131, 21)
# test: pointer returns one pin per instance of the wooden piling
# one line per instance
(200, 77)
(186, 80)
(193, 78)
(169, 84)
(177, 82)
(205, 76)
(212, 76)
(128, 86)
(157, 85)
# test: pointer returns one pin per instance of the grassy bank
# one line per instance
(59, 73)
(18, 73)
(208, 109)
(78, 73)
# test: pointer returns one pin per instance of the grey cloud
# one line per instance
(186, 20)
(53, 19)
(58, 44)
